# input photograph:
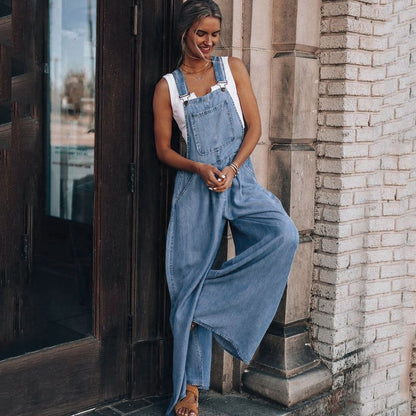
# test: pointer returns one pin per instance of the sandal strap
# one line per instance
(194, 390)
(190, 401)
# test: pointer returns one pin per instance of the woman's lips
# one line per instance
(204, 50)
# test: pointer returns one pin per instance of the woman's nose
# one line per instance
(208, 40)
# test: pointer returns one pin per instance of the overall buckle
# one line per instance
(222, 85)
(185, 98)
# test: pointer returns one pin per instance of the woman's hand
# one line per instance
(228, 180)
(216, 180)
(212, 176)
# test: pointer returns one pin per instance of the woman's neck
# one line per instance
(192, 64)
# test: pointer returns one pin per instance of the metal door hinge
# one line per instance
(132, 177)
(46, 68)
(25, 247)
(135, 25)
(130, 327)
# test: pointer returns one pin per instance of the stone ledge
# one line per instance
(288, 391)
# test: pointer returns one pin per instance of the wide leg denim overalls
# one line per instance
(237, 302)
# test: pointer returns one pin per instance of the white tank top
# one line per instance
(177, 105)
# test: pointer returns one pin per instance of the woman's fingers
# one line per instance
(216, 177)
(216, 180)
(220, 186)
(218, 173)
(226, 183)
(212, 176)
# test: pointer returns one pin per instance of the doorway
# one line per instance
(83, 303)
(55, 300)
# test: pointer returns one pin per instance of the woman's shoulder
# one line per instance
(236, 64)
(162, 89)
(162, 84)
(237, 68)
(167, 81)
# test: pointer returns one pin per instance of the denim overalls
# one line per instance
(237, 302)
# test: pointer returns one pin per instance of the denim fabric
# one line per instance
(237, 302)
(198, 360)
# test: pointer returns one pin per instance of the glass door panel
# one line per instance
(53, 302)
(72, 44)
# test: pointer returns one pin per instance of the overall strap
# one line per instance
(219, 72)
(181, 86)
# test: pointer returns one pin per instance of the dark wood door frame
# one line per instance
(113, 208)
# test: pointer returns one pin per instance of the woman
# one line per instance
(213, 103)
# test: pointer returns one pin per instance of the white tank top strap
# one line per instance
(232, 88)
(177, 104)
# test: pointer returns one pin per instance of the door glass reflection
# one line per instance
(65, 258)
(71, 115)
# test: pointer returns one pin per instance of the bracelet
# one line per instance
(234, 167)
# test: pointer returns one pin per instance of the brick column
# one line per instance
(285, 368)
(363, 318)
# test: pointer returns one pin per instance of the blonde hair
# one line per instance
(191, 12)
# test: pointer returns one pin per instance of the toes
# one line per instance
(185, 412)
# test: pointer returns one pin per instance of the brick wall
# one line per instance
(363, 304)
(413, 379)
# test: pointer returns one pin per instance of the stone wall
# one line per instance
(363, 317)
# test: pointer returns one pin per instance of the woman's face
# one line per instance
(202, 37)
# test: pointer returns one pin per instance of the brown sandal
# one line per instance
(190, 401)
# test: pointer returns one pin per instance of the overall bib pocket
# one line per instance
(212, 128)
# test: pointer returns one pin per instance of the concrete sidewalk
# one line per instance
(211, 404)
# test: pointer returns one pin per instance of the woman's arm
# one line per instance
(249, 107)
(251, 116)
(162, 111)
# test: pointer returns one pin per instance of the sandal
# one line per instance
(190, 402)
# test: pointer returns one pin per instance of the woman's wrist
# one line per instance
(235, 168)
(196, 167)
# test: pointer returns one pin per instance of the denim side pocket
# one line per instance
(182, 185)
(248, 167)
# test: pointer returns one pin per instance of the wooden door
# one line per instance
(151, 336)
(65, 208)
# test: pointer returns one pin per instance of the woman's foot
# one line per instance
(188, 406)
